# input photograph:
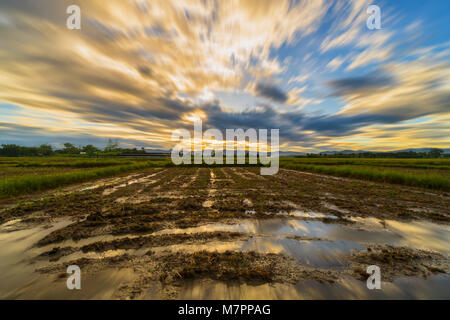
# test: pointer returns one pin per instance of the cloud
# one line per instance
(138, 67)
(272, 92)
(34, 136)
(373, 81)
(406, 89)
(334, 64)
(132, 60)
(341, 125)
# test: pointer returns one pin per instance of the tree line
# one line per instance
(46, 150)
(432, 153)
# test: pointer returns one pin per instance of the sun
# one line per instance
(197, 115)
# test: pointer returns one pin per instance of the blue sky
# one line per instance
(138, 69)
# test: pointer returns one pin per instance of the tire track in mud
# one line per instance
(141, 184)
(122, 183)
(191, 180)
(176, 184)
(238, 180)
(198, 192)
(209, 202)
(149, 189)
(261, 194)
(303, 173)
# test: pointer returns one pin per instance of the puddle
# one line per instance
(436, 287)
(298, 212)
(103, 285)
(307, 214)
(318, 254)
(107, 182)
(335, 208)
(422, 235)
(311, 242)
(16, 251)
(416, 234)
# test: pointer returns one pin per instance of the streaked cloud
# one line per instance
(138, 67)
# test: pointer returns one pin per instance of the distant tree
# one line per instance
(112, 146)
(10, 150)
(435, 153)
(45, 150)
(90, 149)
(13, 150)
(70, 149)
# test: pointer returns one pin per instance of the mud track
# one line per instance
(173, 225)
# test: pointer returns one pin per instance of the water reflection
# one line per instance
(414, 234)
(436, 287)
(311, 242)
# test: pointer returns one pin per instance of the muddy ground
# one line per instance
(226, 233)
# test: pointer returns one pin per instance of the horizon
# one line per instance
(138, 70)
(60, 147)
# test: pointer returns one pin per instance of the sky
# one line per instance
(139, 69)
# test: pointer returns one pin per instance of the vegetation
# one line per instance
(443, 164)
(432, 153)
(45, 150)
(75, 164)
(21, 175)
(17, 185)
(434, 176)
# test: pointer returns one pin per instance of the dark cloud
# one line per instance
(272, 92)
(263, 117)
(341, 125)
(293, 124)
(373, 81)
(144, 71)
(11, 133)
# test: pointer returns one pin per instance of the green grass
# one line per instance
(423, 180)
(13, 186)
(443, 164)
(27, 175)
(75, 164)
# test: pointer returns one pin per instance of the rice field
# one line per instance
(422, 173)
(23, 176)
(20, 176)
(225, 232)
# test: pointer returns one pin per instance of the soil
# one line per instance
(125, 222)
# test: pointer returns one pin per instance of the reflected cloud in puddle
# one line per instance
(435, 287)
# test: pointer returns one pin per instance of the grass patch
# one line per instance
(442, 164)
(424, 180)
(34, 183)
(76, 164)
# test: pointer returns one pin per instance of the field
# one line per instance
(425, 173)
(144, 229)
(26, 175)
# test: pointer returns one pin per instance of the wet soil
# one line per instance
(169, 232)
